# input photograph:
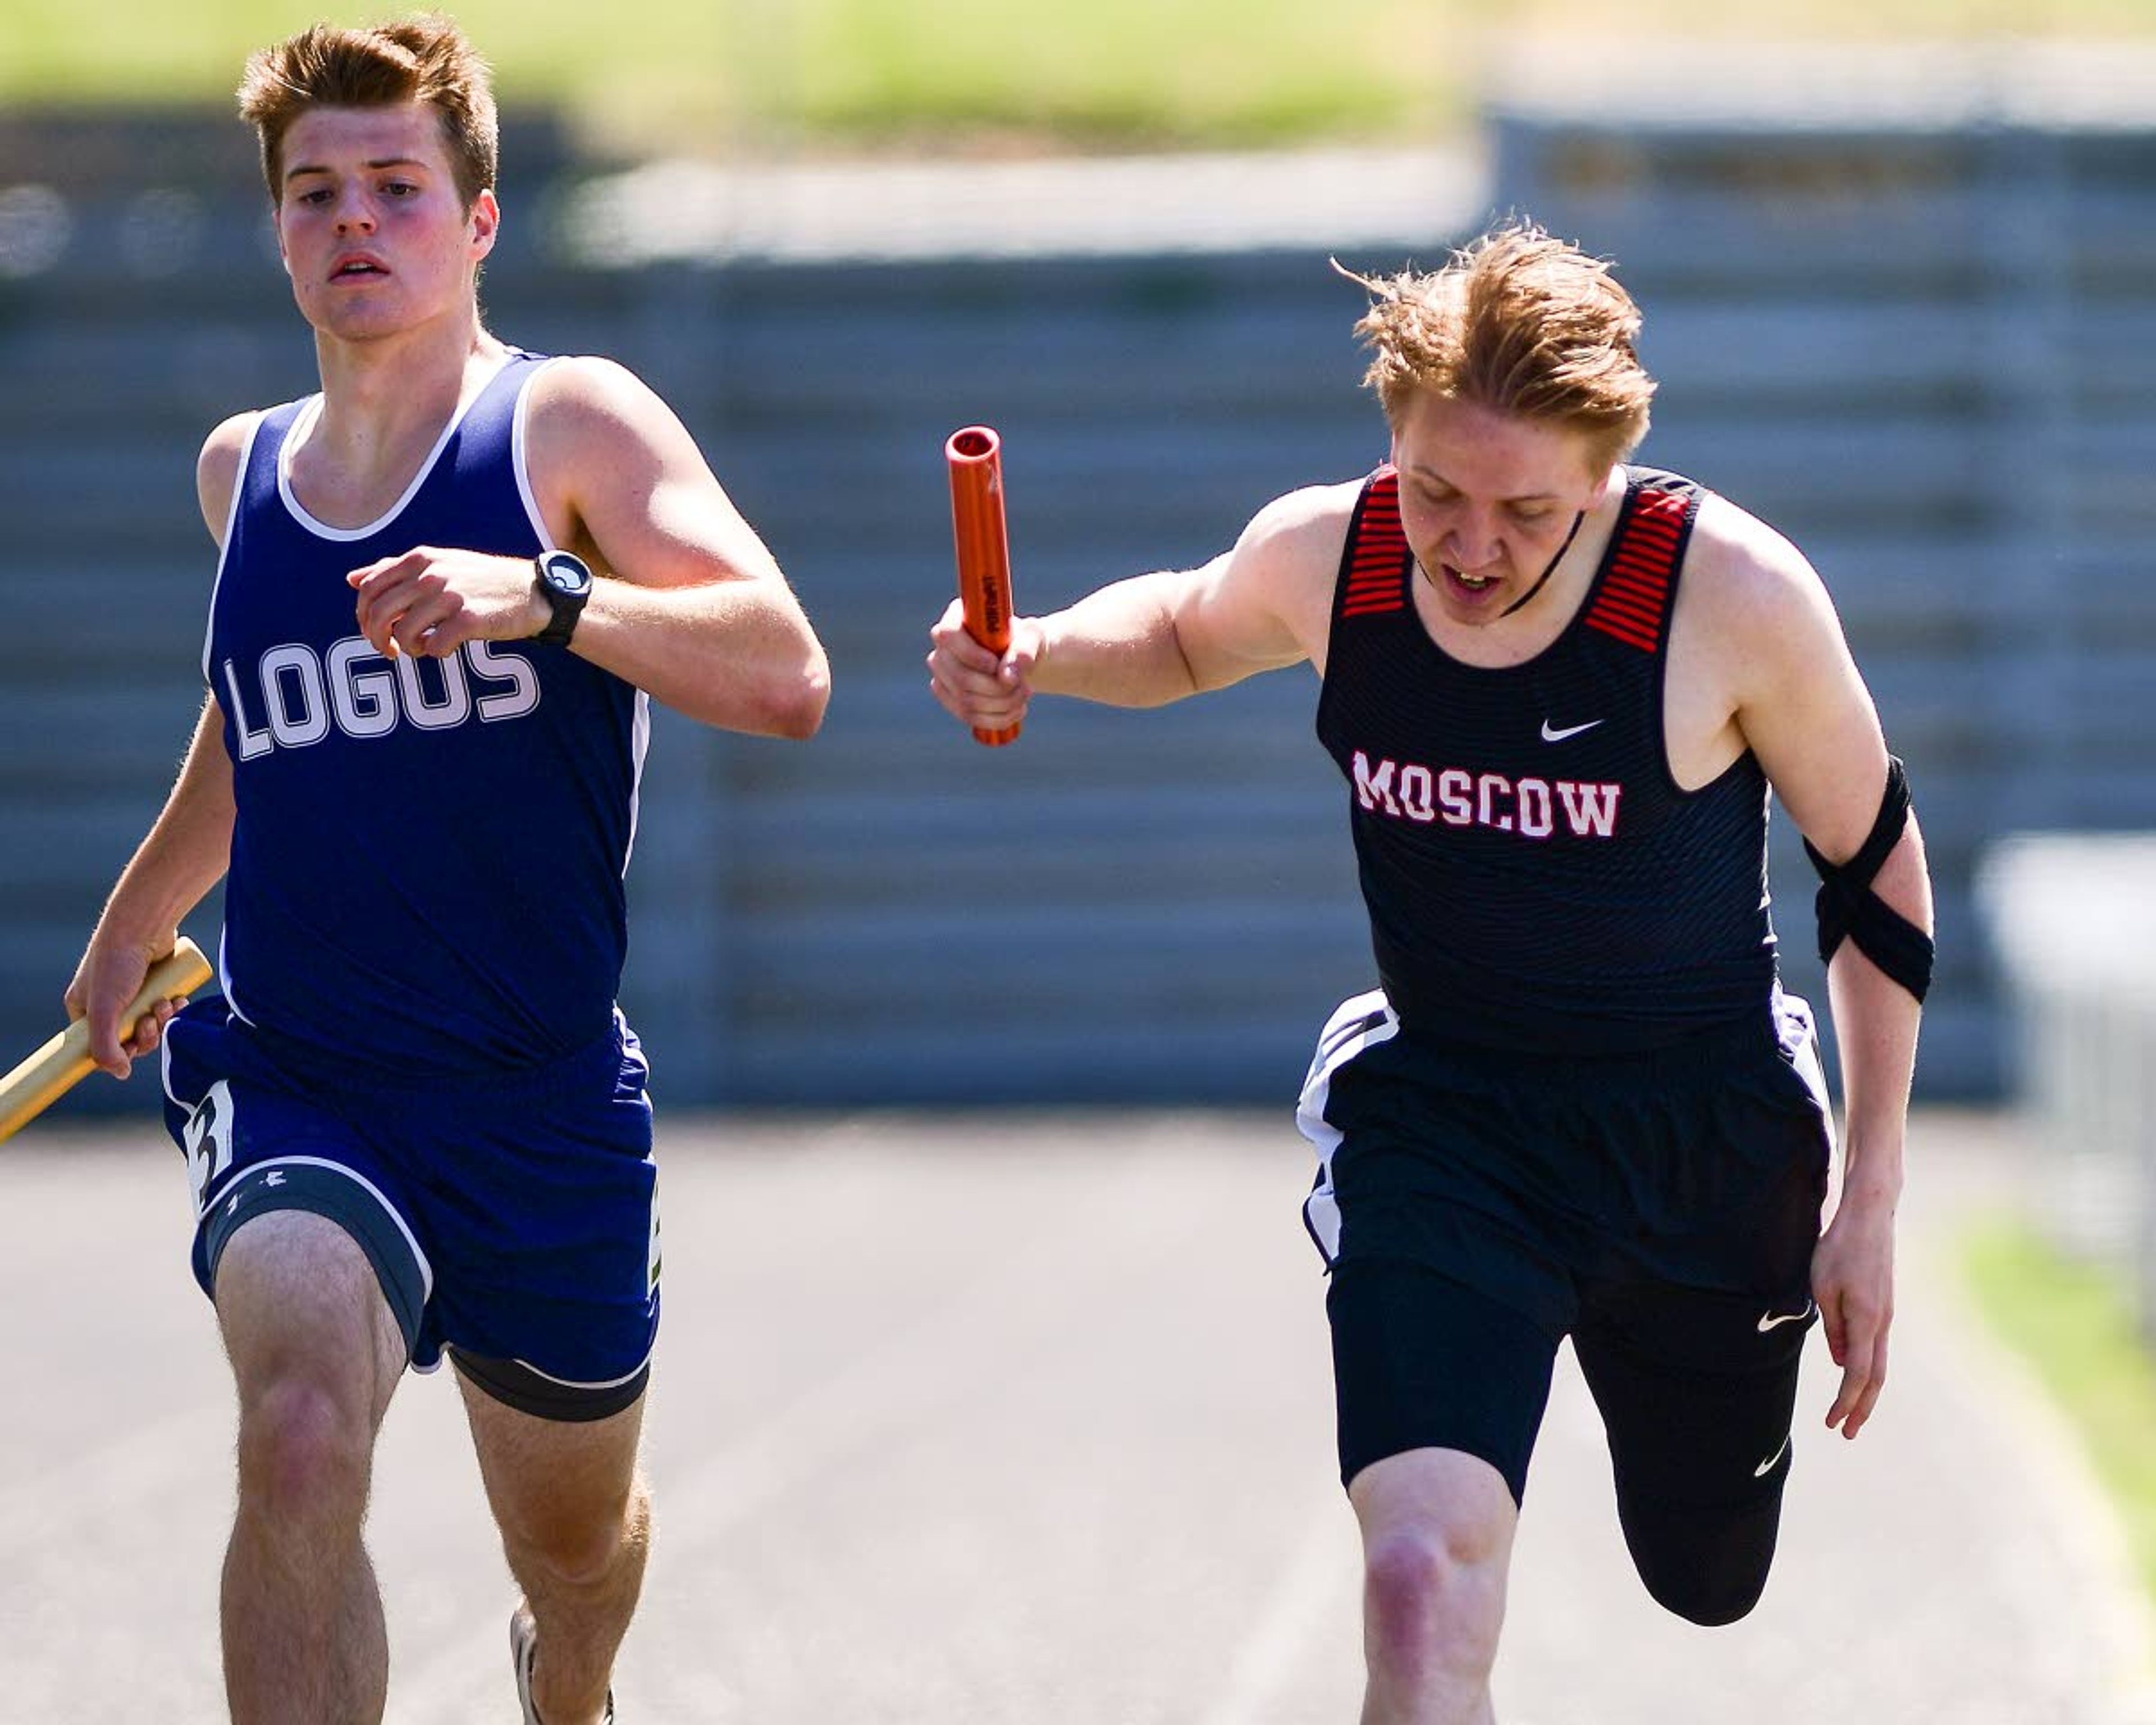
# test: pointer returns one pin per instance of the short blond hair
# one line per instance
(1517, 322)
(423, 58)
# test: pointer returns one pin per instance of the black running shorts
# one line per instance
(1661, 1209)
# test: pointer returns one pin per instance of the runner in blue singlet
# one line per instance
(415, 1123)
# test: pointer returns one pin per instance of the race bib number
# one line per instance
(651, 1251)
(207, 1140)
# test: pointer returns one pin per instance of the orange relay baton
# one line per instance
(975, 456)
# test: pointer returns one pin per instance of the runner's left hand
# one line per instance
(1853, 1281)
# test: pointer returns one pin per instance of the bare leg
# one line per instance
(316, 1355)
(575, 1517)
(1437, 1541)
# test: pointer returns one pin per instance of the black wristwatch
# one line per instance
(564, 581)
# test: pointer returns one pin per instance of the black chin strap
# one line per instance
(1549, 568)
(1541, 580)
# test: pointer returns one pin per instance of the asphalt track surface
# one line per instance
(1024, 1419)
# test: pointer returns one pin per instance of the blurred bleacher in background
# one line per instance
(2073, 917)
(1904, 314)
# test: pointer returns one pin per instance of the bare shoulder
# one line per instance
(595, 431)
(217, 471)
(1295, 542)
(1304, 526)
(1762, 604)
(1784, 673)
(618, 475)
(1288, 559)
(584, 396)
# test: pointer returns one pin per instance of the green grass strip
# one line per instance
(2074, 1324)
(849, 76)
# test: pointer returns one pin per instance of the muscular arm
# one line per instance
(186, 851)
(1155, 638)
(1805, 711)
(1808, 716)
(691, 606)
(700, 615)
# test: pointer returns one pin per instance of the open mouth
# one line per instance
(356, 269)
(1472, 583)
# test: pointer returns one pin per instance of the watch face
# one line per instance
(566, 573)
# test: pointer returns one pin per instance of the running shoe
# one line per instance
(523, 1649)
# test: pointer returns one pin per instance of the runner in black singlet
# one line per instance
(1559, 687)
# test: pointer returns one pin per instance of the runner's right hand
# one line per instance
(111, 974)
(977, 687)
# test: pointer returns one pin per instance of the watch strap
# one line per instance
(566, 608)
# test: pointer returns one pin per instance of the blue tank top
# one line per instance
(1536, 879)
(427, 856)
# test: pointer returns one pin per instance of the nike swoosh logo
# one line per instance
(1766, 1467)
(1550, 735)
(1768, 1320)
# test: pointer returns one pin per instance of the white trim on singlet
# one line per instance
(517, 463)
(640, 743)
(165, 1074)
(640, 740)
(224, 984)
(305, 423)
(1361, 1021)
(225, 546)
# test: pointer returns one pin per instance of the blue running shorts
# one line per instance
(511, 1218)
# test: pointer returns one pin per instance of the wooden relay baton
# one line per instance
(975, 456)
(53, 1069)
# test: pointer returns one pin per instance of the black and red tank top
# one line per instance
(1536, 879)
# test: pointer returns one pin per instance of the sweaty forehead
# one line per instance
(1489, 453)
(342, 137)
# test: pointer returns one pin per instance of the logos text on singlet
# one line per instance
(1533, 808)
(302, 697)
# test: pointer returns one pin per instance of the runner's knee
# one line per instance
(578, 1544)
(305, 1451)
(1435, 1591)
(1709, 1596)
(1711, 1574)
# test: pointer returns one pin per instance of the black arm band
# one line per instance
(1850, 909)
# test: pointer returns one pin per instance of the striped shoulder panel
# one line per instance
(1374, 569)
(1634, 602)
